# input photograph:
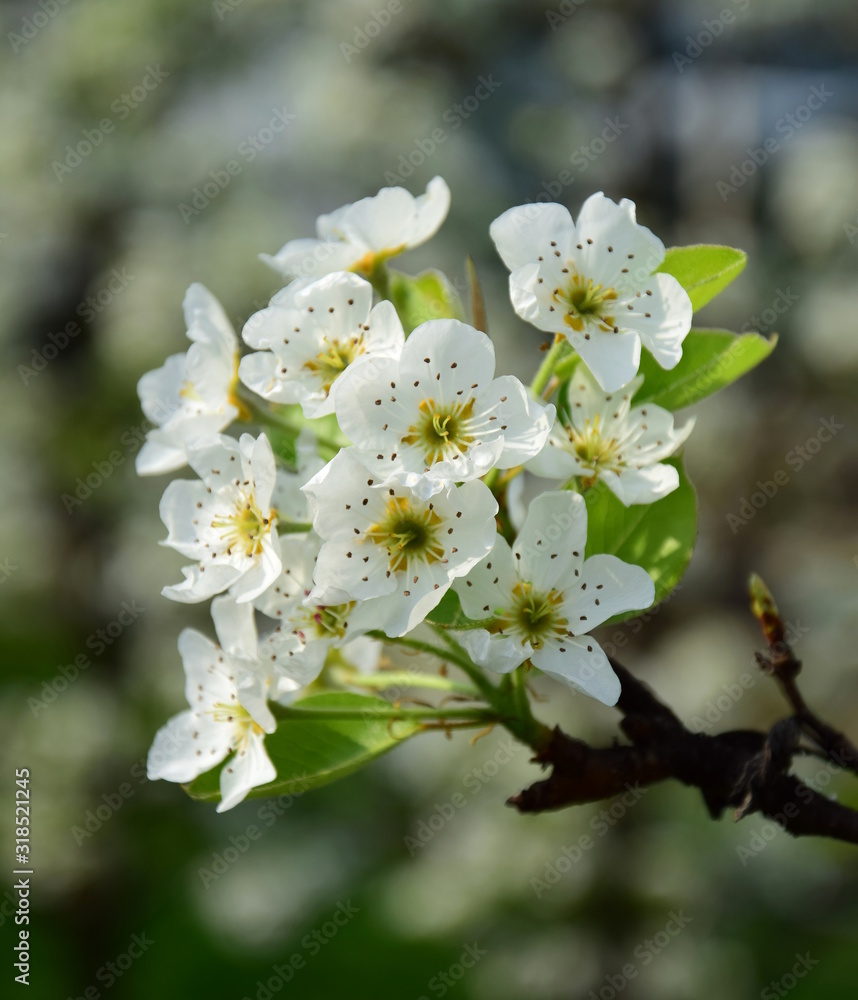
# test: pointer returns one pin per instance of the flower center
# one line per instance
(237, 716)
(534, 615)
(326, 621)
(409, 533)
(333, 360)
(441, 431)
(595, 451)
(586, 304)
(245, 528)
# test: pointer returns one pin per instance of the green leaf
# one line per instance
(309, 753)
(703, 270)
(659, 536)
(711, 360)
(425, 296)
(449, 613)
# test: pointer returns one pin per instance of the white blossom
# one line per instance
(314, 627)
(607, 438)
(543, 598)
(436, 415)
(593, 281)
(388, 543)
(192, 395)
(229, 715)
(311, 333)
(225, 523)
(359, 236)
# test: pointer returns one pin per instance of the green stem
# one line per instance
(403, 679)
(477, 715)
(509, 704)
(263, 414)
(559, 349)
(379, 278)
(293, 527)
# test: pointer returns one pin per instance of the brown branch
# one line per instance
(744, 770)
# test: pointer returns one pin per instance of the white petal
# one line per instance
(157, 457)
(524, 422)
(607, 586)
(521, 233)
(489, 585)
(206, 319)
(179, 511)
(313, 257)
(613, 358)
(556, 460)
(201, 583)
(248, 768)
(262, 469)
(498, 653)
(173, 754)
(260, 373)
(582, 664)
(206, 671)
(551, 543)
(604, 224)
(431, 210)
(235, 627)
(261, 574)
(638, 486)
(662, 317)
(159, 389)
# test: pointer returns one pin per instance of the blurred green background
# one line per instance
(659, 102)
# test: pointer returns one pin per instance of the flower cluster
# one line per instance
(374, 474)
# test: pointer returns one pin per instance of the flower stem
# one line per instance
(559, 349)
(293, 527)
(403, 679)
(476, 715)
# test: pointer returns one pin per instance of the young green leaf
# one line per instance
(659, 536)
(309, 753)
(703, 270)
(711, 360)
(449, 613)
(425, 296)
